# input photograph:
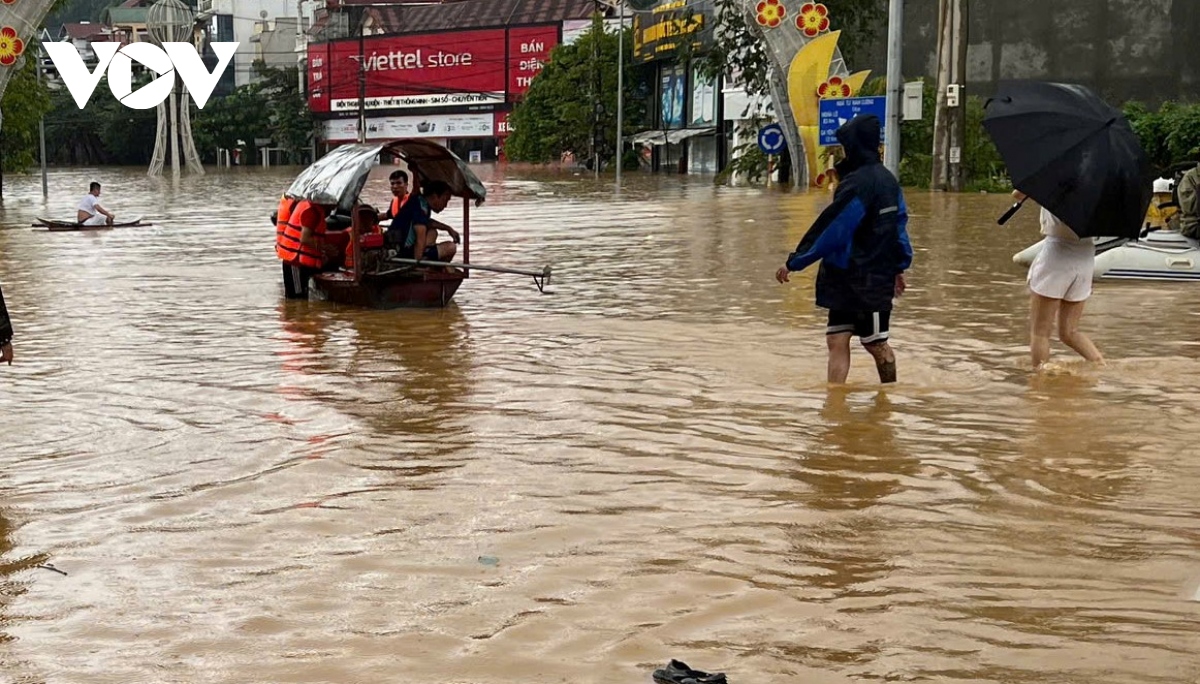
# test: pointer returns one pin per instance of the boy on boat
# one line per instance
(90, 213)
(413, 232)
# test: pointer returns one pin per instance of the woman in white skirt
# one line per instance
(1060, 281)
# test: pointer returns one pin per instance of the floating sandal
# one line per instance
(677, 672)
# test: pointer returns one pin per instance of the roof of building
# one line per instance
(452, 15)
(81, 30)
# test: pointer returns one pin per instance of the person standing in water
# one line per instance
(861, 240)
(1060, 282)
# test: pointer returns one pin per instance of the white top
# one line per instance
(1053, 227)
(88, 203)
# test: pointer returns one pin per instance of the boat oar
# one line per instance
(540, 278)
(1011, 210)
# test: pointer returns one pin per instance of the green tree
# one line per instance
(559, 111)
(241, 115)
(106, 132)
(24, 104)
(271, 107)
(292, 123)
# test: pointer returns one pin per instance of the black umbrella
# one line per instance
(1072, 153)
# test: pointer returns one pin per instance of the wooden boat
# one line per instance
(55, 225)
(338, 178)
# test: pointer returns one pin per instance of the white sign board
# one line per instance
(432, 126)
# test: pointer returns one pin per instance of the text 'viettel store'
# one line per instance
(456, 87)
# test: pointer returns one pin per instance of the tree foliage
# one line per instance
(271, 107)
(560, 111)
(24, 104)
(1170, 135)
(106, 132)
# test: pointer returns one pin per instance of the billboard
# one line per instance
(434, 70)
(660, 32)
(672, 102)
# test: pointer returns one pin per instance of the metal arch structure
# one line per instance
(170, 21)
(22, 17)
(783, 45)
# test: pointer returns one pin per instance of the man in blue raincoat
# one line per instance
(861, 240)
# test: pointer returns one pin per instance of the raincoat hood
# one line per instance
(859, 138)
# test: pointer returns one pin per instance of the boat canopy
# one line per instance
(339, 177)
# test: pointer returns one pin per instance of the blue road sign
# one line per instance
(771, 140)
(834, 113)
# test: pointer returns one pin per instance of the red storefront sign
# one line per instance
(529, 49)
(502, 128)
(449, 69)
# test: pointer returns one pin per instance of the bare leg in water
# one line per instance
(1069, 314)
(1043, 313)
(839, 357)
(885, 360)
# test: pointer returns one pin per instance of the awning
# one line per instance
(669, 137)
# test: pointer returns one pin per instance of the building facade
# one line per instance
(688, 134)
(451, 73)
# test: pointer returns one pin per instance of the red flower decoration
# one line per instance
(813, 19)
(11, 46)
(770, 13)
(834, 89)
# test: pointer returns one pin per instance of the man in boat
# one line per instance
(861, 240)
(90, 213)
(413, 232)
(6, 334)
(306, 246)
(399, 182)
(1188, 191)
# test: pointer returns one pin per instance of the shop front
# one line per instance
(687, 136)
(455, 87)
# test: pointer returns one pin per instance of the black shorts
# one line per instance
(430, 253)
(295, 280)
(869, 326)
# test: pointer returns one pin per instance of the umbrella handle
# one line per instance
(1009, 214)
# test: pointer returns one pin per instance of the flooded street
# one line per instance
(575, 487)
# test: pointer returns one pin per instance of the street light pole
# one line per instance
(895, 86)
(620, 92)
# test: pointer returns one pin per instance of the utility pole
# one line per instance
(597, 36)
(42, 125)
(620, 93)
(950, 121)
(301, 46)
(362, 82)
(895, 86)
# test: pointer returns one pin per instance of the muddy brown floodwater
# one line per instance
(576, 487)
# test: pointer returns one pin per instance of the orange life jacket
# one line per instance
(281, 219)
(288, 246)
(397, 202)
(373, 238)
